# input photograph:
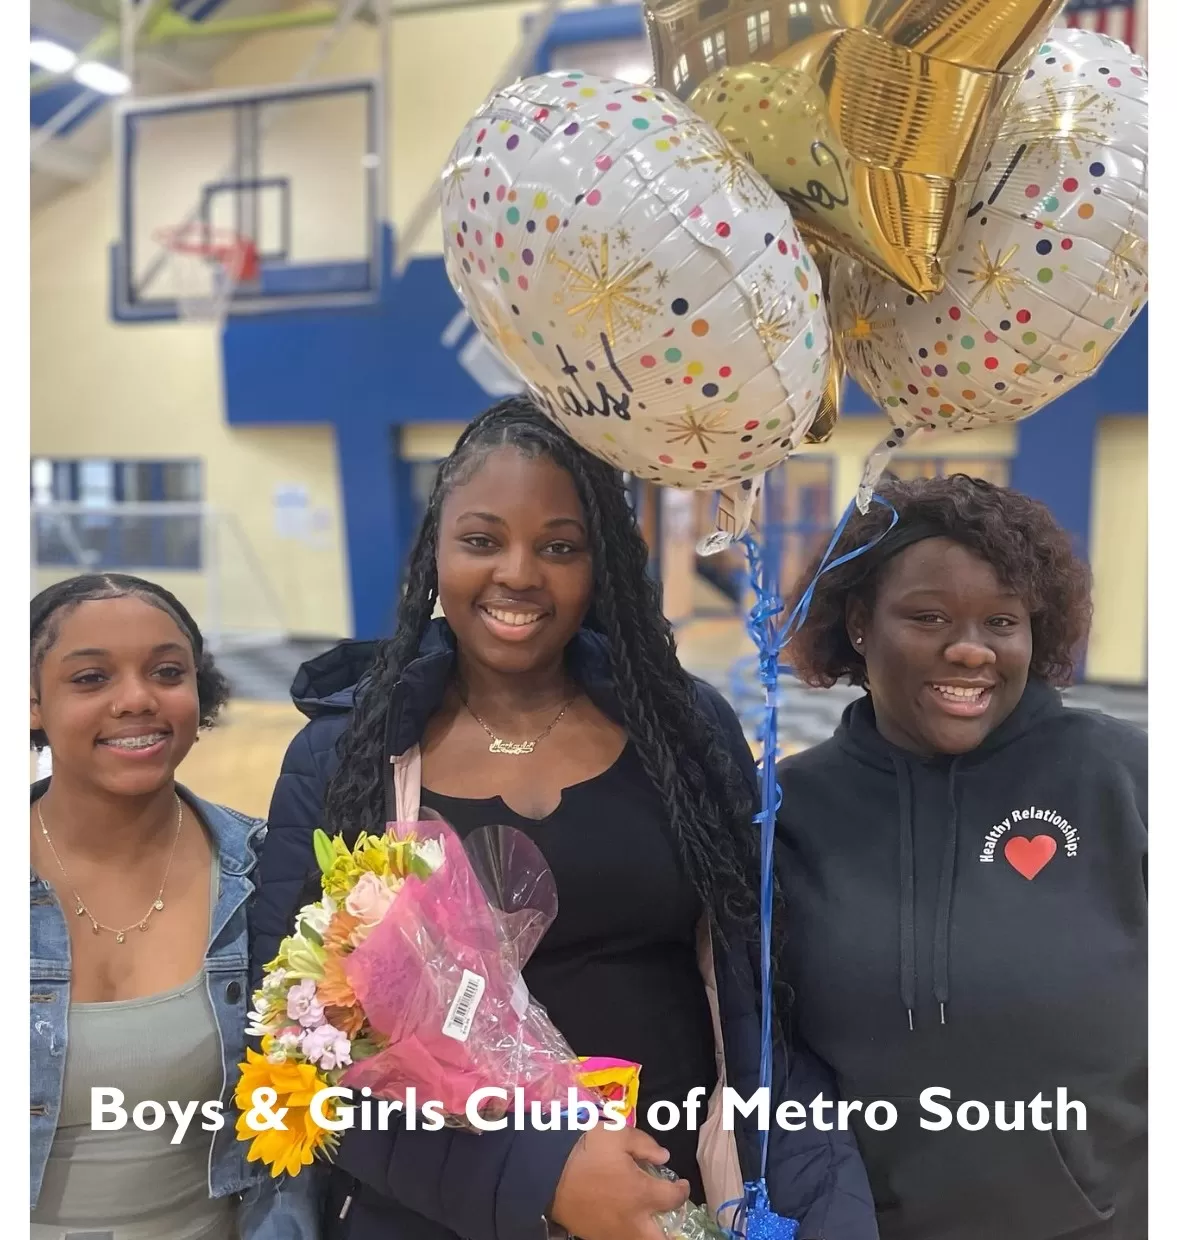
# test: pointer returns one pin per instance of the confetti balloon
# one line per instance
(1050, 270)
(871, 117)
(646, 284)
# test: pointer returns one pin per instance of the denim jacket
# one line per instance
(265, 1212)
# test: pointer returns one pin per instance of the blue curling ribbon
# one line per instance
(754, 1218)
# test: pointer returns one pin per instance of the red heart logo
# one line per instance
(1029, 856)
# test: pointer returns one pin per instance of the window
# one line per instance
(715, 51)
(96, 514)
(680, 71)
(994, 469)
(759, 30)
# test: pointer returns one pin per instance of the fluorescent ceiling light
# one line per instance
(102, 78)
(51, 56)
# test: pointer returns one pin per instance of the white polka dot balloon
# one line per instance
(642, 279)
(1051, 268)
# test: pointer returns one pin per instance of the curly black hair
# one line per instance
(49, 608)
(708, 803)
(1028, 549)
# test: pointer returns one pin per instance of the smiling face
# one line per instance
(514, 570)
(116, 696)
(947, 648)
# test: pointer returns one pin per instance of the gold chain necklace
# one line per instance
(515, 748)
(80, 908)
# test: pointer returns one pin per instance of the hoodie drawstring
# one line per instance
(906, 890)
(941, 944)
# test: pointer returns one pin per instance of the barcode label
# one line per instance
(460, 1017)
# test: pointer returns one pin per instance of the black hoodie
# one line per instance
(978, 923)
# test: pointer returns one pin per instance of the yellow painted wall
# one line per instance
(1119, 552)
(429, 441)
(153, 391)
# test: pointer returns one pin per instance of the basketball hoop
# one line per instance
(207, 266)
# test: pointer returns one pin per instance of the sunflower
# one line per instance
(288, 1149)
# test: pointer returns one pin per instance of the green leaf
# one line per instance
(324, 852)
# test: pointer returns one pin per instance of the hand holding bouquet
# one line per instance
(406, 977)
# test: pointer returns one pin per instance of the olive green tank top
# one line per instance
(130, 1184)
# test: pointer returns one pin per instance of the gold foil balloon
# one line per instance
(871, 118)
(830, 407)
(831, 399)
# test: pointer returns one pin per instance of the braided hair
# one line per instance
(708, 803)
(49, 608)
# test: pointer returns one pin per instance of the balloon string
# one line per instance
(770, 638)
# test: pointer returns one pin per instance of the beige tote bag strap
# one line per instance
(406, 780)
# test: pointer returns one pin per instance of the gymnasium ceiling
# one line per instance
(65, 155)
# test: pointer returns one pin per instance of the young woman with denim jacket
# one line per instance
(138, 962)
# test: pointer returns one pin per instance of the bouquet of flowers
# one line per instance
(405, 977)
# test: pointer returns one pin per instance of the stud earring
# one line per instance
(858, 641)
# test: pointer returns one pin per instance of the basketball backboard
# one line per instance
(263, 199)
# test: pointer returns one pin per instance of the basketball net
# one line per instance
(206, 266)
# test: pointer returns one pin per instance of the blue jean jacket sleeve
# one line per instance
(816, 1177)
(288, 1208)
(483, 1186)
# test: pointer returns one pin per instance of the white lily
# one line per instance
(432, 852)
(318, 916)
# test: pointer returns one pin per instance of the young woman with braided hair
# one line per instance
(551, 699)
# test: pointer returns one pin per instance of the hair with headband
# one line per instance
(1027, 548)
(49, 608)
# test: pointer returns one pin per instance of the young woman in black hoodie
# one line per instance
(964, 864)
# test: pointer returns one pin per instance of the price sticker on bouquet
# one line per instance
(460, 1018)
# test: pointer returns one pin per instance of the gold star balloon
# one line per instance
(1050, 270)
(872, 118)
(642, 279)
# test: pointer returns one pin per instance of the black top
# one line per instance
(617, 971)
(1000, 897)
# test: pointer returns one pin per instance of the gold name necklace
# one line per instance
(515, 748)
